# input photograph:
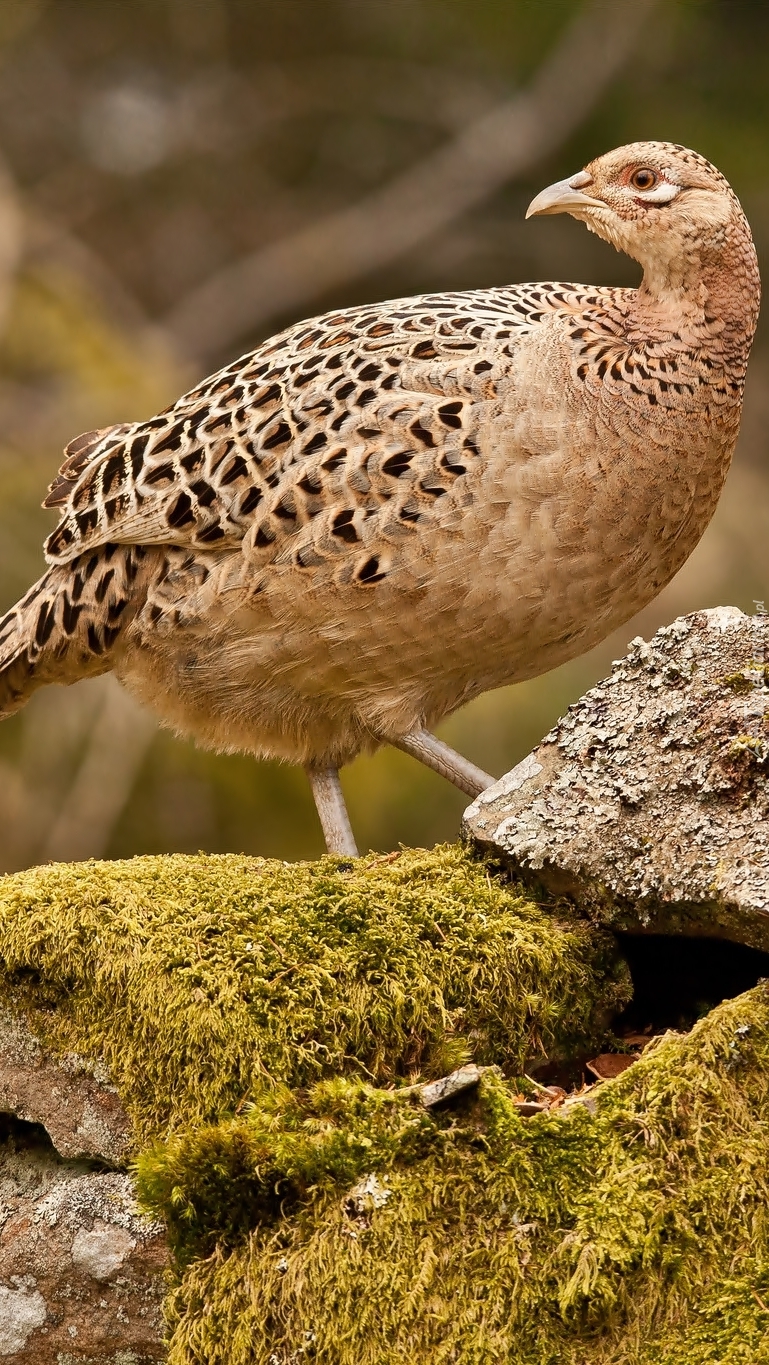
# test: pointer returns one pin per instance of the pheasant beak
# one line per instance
(565, 196)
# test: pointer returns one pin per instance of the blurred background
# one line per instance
(180, 178)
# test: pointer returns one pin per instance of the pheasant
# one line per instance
(380, 513)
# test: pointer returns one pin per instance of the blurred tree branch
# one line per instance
(222, 113)
(74, 815)
(434, 95)
(492, 149)
(10, 239)
(120, 735)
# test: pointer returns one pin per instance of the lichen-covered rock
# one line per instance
(81, 1271)
(648, 802)
(200, 979)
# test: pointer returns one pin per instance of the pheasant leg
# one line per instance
(446, 761)
(329, 803)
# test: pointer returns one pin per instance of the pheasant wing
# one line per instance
(344, 416)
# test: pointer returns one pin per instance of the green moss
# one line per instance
(634, 1233)
(752, 745)
(201, 979)
(260, 1020)
(749, 678)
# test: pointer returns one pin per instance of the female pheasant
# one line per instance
(385, 511)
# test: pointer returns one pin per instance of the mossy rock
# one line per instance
(263, 1023)
(202, 979)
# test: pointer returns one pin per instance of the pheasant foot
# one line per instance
(332, 811)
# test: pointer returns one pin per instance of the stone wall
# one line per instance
(81, 1272)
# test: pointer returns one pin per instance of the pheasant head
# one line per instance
(672, 211)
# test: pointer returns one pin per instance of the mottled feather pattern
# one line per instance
(350, 409)
(357, 415)
(65, 627)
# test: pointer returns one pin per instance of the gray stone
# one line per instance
(102, 1251)
(437, 1092)
(648, 802)
(81, 1270)
(21, 1311)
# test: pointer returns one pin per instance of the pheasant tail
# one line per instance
(25, 634)
(67, 626)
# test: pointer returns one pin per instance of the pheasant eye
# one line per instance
(644, 179)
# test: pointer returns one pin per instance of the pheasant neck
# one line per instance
(712, 290)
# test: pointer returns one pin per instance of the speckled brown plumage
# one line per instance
(384, 511)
